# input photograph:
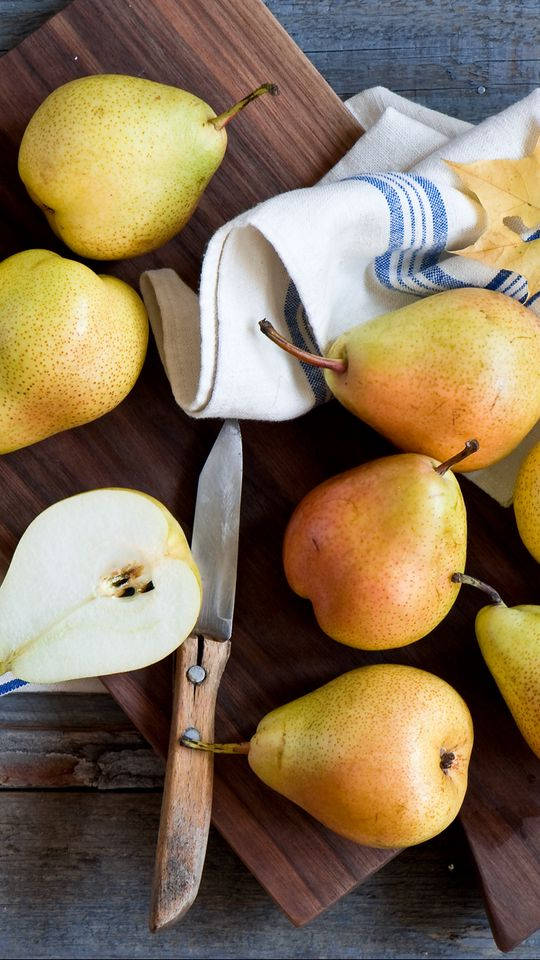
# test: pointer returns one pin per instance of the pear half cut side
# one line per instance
(102, 582)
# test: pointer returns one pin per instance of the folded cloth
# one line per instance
(370, 237)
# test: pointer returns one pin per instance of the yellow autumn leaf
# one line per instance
(507, 189)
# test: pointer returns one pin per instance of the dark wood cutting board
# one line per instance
(220, 50)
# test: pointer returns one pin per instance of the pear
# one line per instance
(118, 164)
(100, 583)
(72, 345)
(527, 501)
(439, 370)
(380, 755)
(509, 639)
(374, 549)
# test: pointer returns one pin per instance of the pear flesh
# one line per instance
(374, 550)
(527, 501)
(379, 755)
(509, 638)
(102, 582)
(118, 163)
(72, 345)
(463, 363)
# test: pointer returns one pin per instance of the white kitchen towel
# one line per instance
(370, 237)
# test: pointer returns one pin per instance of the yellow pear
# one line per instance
(374, 549)
(509, 639)
(115, 587)
(527, 501)
(118, 163)
(457, 364)
(72, 345)
(380, 755)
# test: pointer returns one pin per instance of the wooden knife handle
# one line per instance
(187, 792)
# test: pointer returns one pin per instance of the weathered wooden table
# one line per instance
(80, 792)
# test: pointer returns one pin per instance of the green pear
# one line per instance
(72, 345)
(509, 638)
(100, 583)
(527, 501)
(118, 164)
(380, 755)
(461, 363)
(374, 549)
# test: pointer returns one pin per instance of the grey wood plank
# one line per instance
(18, 18)
(467, 59)
(76, 866)
(75, 874)
(82, 741)
(74, 711)
(470, 60)
(98, 759)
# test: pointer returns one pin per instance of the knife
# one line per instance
(200, 661)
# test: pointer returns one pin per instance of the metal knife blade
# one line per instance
(215, 531)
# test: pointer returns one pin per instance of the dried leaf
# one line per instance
(509, 190)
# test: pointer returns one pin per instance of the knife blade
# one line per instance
(214, 543)
(200, 661)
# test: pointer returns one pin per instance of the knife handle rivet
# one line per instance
(191, 734)
(196, 674)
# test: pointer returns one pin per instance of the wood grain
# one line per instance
(189, 778)
(148, 444)
(467, 59)
(97, 852)
(48, 758)
(76, 867)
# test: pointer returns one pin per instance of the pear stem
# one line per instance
(470, 447)
(479, 584)
(338, 366)
(223, 118)
(215, 747)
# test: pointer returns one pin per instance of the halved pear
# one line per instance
(102, 582)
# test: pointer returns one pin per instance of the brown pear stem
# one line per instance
(338, 366)
(479, 584)
(215, 747)
(470, 447)
(223, 118)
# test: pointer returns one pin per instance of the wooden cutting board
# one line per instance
(220, 50)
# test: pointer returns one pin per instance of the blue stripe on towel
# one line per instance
(11, 685)
(421, 271)
(498, 280)
(300, 330)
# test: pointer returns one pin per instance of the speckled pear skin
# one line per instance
(72, 345)
(363, 754)
(374, 550)
(118, 163)
(527, 501)
(459, 364)
(509, 638)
